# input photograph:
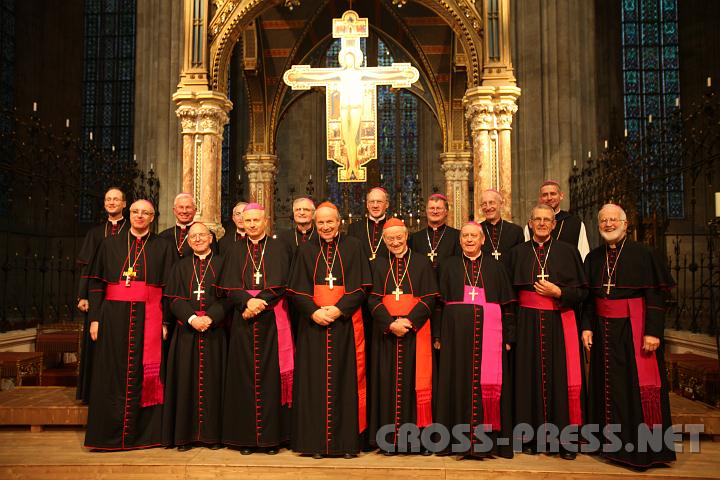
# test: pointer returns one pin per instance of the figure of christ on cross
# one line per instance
(349, 88)
(129, 274)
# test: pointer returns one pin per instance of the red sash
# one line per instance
(324, 296)
(286, 349)
(423, 355)
(572, 348)
(646, 362)
(492, 349)
(151, 296)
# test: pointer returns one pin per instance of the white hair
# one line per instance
(183, 195)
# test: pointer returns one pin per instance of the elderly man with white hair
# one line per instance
(303, 229)
(501, 235)
(184, 209)
(401, 302)
(623, 326)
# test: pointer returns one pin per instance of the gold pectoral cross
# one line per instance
(496, 254)
(473, 293)
(257, 275)
(129, 274)
(432, 255)
(330, 279)
(397, 292)
(608, 285)
(542, 275)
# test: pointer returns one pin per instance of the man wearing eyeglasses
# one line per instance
(184, 209)
(303, 229)
(237, 234)
(623, 325)
(126, 323)
(549, 279)
(198, 351)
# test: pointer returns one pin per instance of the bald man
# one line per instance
(126, 324)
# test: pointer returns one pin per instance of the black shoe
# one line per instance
(215, 446)
(528, 451)
(317, 456)
(246, 451)
(184, 448)
(565, 455)
(388, 454)
(425, 452)
(348, 456)
(272, 451)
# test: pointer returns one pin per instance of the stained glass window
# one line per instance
(109, 82)
(7, 89)
(397, 112)
(651, 90)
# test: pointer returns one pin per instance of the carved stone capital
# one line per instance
(491, 107)
(261, 168)
(456, 165)
(202, 112)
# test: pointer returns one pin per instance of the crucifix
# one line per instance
(397, 292)
(473, 293)
(257, 276)
(432, 255)
(496, 254)
(542, 275)
(351, 97)
(330, 279)
(129, 274)
(608, 285)
(198, 292)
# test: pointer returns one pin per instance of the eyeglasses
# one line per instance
(142, 213)
(542, 220)
(610, 220)
(199, 236)
(237, 214)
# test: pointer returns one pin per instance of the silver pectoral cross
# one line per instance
(330, 279)
(432, 255)
(473, 293)
(198, 292)
(257, 276)
(542, 275)
(397, 292)
(496, 254)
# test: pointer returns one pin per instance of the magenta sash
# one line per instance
(646, 362)
(572, 348)
(286, 349)
(151, 296)
(492, 349)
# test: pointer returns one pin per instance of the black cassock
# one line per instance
(231, 237)
(90, 246)
(330, 368)
(444, 241)
(293, 238)
(256, 404)
(178, 237)
(548, 366)
(462, 397)
(503, 237)
(396, 397)
(369, 233)
(196, 360)
(116, 418)
(614, 388)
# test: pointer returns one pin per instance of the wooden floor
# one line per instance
(58, 454)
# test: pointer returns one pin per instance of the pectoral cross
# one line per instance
(257, 276)
(496, 254)
(129, 273)
(397, 292)
(432, 255)
(330, 279)
(608, 285)
(542, 275)
(198, 292)
(372, 257)
(473, 293)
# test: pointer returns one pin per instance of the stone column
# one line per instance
(457, 167)
(490, 110)
(261, 169)
(202, 117)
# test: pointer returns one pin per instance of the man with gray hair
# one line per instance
(303, 229)
(622, 329)
(501, 236)
(184, 209)
(237, 234)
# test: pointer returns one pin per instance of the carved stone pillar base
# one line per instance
(457, 167)
(261, 169)
(202, 117)
(490, 111)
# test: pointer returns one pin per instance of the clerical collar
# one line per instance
(473, 258)
(255, 242)
(376, 220)
(435, 229)
(184, 226)
(335, 237)
(242, 234)
(499, 220)
(304, 231)
(403, 253)
(540, 244)
(139, 236)
(115, 222)
(204, 256)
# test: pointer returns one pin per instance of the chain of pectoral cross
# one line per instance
(130, 273)
(473, 293)
(432, 254)
(396, 274)
(496, 248)
(610, 272)
(542, 265)
(373, 251)
(184, 239)
(257, 267)
(200, 281)
(328, 265)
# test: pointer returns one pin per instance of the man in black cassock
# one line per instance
(258, 382)
(369, 230)
(623, 327)
(475, 381)
(114, 225)
(328, 283)
(237, 234)
(303, 229)
(184, 209)
(198, 349)
(549, 280)
(501, 236)
(401, 302)
(126, 315)
(569, 227)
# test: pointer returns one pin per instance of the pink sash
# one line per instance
(151, 296)
(646, 362)
(286, 349)
(492, 350)
(572, 348)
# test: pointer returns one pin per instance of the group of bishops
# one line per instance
(336, 342)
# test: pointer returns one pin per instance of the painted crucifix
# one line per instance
(351, 97)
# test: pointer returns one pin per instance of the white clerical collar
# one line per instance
(400, 255)
(473, 258)
(334, 237)
(255, 242)
(499, 220)
(204, 256)
(184, 226)
(376, 220)
(242, 234)
(435, 229)
(115, 222)
(540, 244)
(305, 230)
(138, 235)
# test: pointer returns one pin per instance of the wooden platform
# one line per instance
(41, 406)
(57, 455)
